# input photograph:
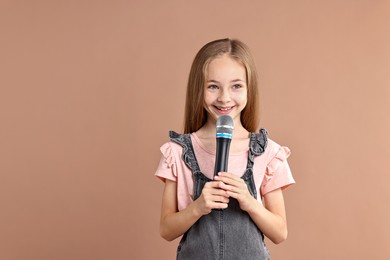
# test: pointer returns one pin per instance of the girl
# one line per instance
(226, 216)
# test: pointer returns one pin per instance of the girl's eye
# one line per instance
(213, 86)
(237, 86)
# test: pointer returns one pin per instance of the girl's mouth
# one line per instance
(224, 109)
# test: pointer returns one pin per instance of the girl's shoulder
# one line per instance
(174, 146)
(270, 146)
(275, 153)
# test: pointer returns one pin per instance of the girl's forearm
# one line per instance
(176, 224)
(272, 225)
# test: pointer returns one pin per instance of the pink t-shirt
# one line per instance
(270, 170)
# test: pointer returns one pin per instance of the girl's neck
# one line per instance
(240, 140)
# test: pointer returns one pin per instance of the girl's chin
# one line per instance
(215, 116)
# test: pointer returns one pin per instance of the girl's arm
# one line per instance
(174, 223)
(270, 218)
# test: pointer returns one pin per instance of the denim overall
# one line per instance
(223, 234)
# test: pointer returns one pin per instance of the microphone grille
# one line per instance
(225, 126)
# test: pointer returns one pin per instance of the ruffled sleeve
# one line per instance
(278, 173)
(167, 168)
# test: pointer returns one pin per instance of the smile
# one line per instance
(224, 108)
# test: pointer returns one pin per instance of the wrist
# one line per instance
(253, 205)
(195, 211)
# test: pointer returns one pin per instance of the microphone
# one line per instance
(225, 126)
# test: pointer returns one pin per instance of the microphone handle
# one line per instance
(222, 155)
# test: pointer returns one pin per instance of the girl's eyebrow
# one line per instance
(237, 80)
(212, 81)
(216, 81)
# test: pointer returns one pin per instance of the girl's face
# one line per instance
(225, 89)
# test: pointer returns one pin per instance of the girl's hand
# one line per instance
(235, 187)
(212, 197)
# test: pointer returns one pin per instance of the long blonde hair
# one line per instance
(195, 115)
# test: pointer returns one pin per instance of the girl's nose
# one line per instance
(224, 96)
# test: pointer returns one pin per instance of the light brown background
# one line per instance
(89, 90)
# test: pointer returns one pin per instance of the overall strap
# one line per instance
(188, 155)
(189, 159)
(257, 145)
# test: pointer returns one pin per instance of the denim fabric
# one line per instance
(223, 234)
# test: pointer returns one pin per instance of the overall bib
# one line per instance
(222, 234)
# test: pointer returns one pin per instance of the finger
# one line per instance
(229, 188)
(215, 202)
(212, 184)
(218, 205)
(234, 195)
(228, 175)
(231, 180)
(214, 190)
(222, 199)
